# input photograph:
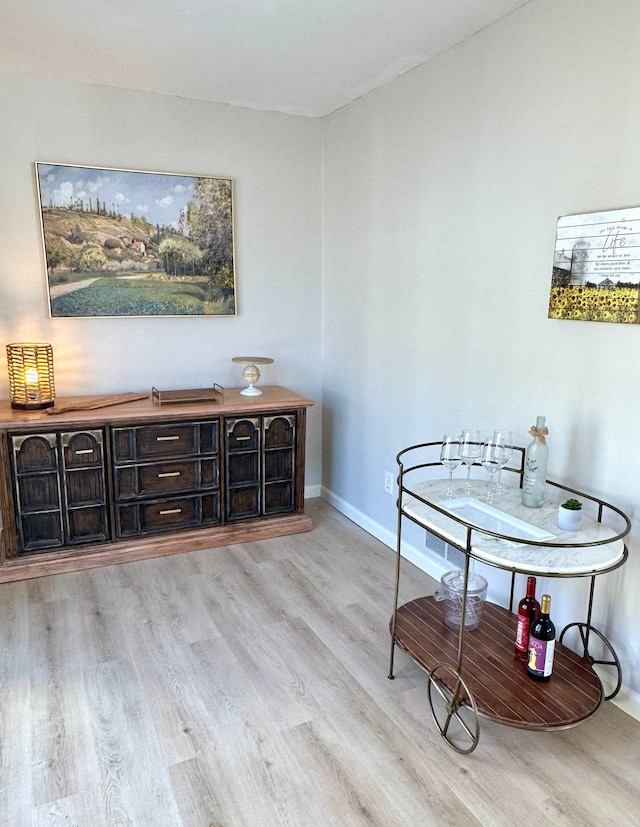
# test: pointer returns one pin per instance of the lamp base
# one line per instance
(32, 406)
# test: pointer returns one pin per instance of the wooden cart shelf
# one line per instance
(496, 678)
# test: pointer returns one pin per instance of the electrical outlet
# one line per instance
(388, 482)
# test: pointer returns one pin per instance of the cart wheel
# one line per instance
(454, 710)
(602, 654)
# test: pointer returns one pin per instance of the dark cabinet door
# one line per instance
(60, 489)
(37, 490)
(243, 468)
(260, 466)
(279, 464)
(84, 487)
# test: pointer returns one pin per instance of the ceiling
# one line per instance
(304, 57)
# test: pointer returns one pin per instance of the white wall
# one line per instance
(442, 191)
(274, 161)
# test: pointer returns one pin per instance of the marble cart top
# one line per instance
(516, 553)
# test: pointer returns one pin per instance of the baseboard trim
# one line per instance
(627, 700)
(414, 555)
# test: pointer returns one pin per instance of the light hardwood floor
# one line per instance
(246, 687)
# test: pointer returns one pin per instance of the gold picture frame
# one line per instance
(121, 242)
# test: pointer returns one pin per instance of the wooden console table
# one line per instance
(93, 487)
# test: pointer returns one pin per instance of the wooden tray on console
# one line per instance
(214, 394)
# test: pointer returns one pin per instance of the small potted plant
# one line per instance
(570, 515)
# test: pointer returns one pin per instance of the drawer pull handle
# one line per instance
(171, 511)
(242, 438)
(85, 451)
(166, 438)
(169, 474)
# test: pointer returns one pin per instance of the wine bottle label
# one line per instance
(541, 656)
(522, 633)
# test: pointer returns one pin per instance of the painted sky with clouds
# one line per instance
(155, 196)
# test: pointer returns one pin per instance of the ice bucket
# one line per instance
(451, 592)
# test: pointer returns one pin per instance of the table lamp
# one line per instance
(30, 375)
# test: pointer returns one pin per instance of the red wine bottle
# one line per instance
(528, 613)
(542, 644)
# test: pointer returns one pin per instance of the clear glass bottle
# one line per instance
(535, 466)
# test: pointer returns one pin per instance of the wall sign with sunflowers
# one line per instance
(596, 267)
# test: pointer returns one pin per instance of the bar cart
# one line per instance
(474, 673)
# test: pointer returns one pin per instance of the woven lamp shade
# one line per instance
(30, 375)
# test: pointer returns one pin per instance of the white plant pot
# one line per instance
(569, 519)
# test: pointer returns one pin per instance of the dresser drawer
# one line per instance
(34, 453)
(82, 449)
(168, 514)
(243, 434)
(156, 478)
(182, 439)
(279, 431)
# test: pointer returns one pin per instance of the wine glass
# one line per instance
(503, 439)
(491, 458)
(450, 456)
(470, 450)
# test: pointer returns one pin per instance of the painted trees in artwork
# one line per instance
(209, 219)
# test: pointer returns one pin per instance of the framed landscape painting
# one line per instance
(130, 243)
